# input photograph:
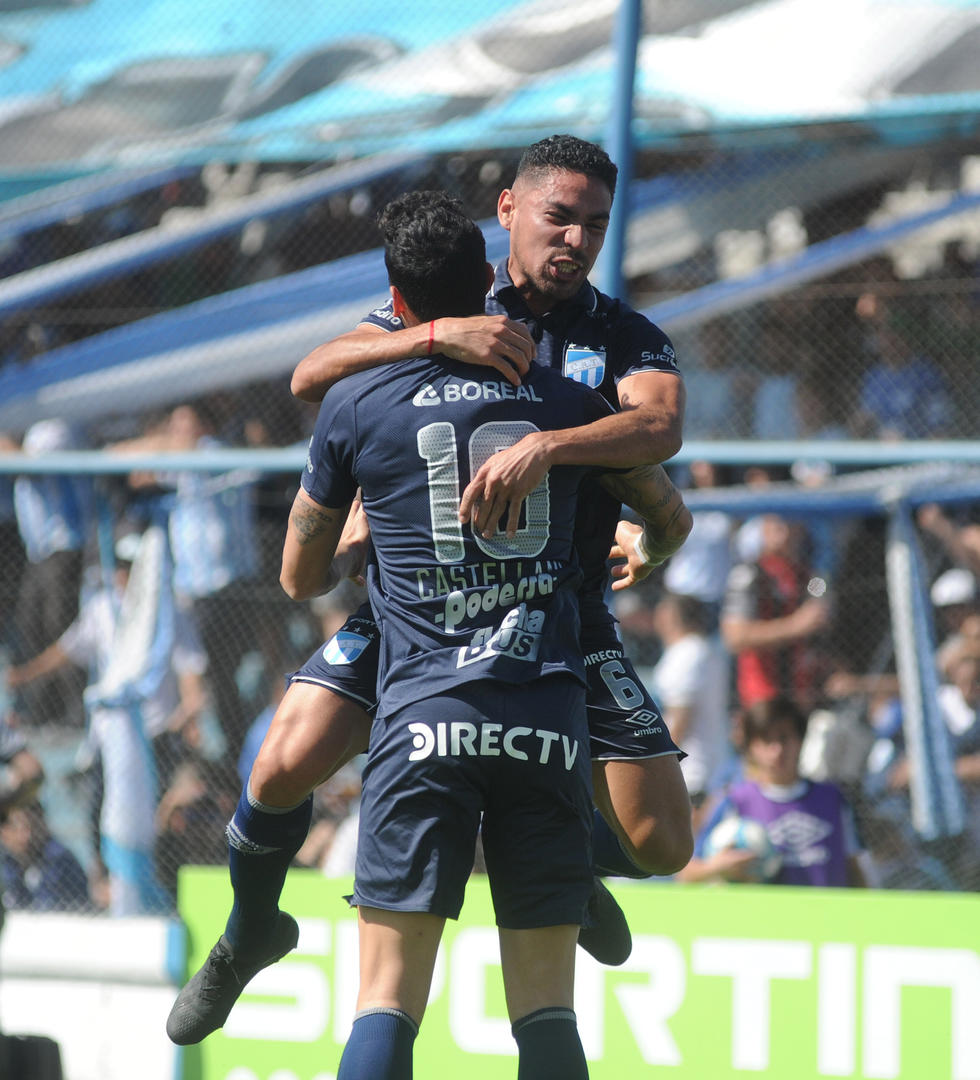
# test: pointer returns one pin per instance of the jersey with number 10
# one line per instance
(454, 606)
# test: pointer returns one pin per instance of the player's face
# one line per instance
(557, 223)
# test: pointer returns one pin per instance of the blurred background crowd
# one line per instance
(188, 205)
(144, 764)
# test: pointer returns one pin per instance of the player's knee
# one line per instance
(275, 780)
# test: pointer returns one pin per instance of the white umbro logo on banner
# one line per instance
(584, 365)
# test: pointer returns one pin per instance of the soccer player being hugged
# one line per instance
(541, 308)
(481, 722)
(540, 304)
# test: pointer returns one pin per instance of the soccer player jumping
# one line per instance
(540, 303)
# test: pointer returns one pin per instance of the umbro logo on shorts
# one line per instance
(647, 721)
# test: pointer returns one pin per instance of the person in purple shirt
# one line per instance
(809, 824)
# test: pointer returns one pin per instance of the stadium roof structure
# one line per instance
(50, 205)
(287, 84)
(262, 330)
(93, 87)
(140, 250)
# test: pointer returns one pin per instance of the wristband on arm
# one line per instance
(650, 552)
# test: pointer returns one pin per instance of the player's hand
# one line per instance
(634, 569)
(502, 484)
(353, 545)
(489, 341)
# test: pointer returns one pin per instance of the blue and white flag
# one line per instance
(142, 648)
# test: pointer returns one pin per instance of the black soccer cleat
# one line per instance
(606, 933)
(207, 999)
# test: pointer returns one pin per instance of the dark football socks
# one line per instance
(549, 1046)
(262, 841)
(379, 1047)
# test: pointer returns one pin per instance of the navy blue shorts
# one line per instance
(348, 662)
(515, 755)
(624, 720)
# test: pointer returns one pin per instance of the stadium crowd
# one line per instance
(743, 614)
(145, 763)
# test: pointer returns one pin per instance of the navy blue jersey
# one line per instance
(598, 341)
(452, 606)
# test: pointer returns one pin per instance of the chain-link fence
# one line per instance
(832, 297)
(883, 348)
(169, 755)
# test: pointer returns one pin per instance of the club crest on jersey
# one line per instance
(585, 365)
(344, 648)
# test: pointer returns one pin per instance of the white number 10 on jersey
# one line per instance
(437, 447)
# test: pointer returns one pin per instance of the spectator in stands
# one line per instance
(954, 600)
(701, 567)
(21, 774)
(216, 561)
(816, 416)
(11, 552)
(903, 394)
(690, 682)
(713, 382)
(190, 818)
(960, 540)
(54, 516)
(37, 872)
(809, 824)
(773, 614)
(747, 538)
(951, 862)
(777, 364)
(131, 708)
(959, 699)
(20, 778)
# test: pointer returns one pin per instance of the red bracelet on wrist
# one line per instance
(432, 334)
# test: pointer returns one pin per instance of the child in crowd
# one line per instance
(809, 824)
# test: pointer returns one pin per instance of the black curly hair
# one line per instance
(435, 254)
(571, 154)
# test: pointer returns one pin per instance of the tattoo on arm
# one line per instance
(310, 522)
(647, 489)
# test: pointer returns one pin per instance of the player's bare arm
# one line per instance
(309, 566)
(646, 431)
(667, 522)
(354, 545)
(486, 340)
